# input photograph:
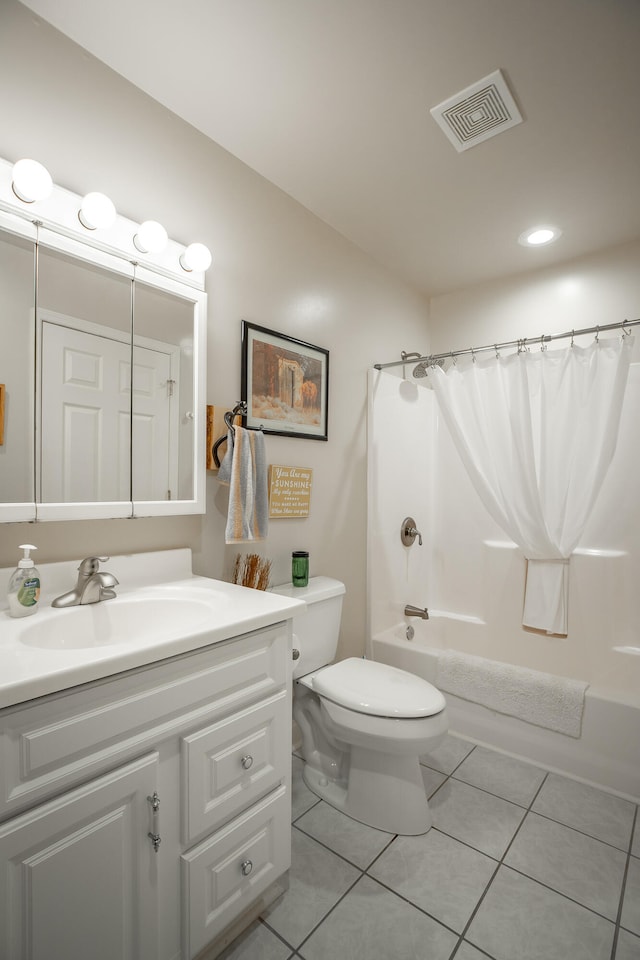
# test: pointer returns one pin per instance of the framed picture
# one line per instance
(285, 384)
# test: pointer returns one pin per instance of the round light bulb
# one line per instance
(96, 212)
(539, 236)
(31, 181)
(151, 237)
(196, 257)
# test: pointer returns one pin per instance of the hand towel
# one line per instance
(244, 468)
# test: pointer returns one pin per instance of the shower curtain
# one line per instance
(536, 432)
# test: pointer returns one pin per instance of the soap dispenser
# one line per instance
(24, 586)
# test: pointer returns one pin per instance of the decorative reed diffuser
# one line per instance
(252, 570)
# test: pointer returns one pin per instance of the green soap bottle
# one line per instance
(24, 586)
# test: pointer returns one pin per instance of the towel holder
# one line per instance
(240, 410)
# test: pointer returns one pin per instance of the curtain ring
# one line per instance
(497, 351)
(473, 355)
(453, 359)
(543, 345)
(597, 334)
(573, 333)
(625, 331)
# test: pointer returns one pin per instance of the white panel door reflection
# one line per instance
(86, 422)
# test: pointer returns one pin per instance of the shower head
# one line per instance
(421, 369)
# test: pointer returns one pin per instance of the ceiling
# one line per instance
(330, 100)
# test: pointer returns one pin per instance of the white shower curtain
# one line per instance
(536, 432)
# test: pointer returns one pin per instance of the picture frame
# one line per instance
(285, 384)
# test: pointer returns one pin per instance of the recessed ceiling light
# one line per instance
(539, 236)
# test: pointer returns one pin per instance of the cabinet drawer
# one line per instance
(233, 762)
(224, 875)
(64, 738)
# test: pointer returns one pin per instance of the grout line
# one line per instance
(301, 815)
(357, 866)
(500, 863)
(330, 911)
(618, 920)
(583, 833)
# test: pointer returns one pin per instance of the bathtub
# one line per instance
(607, 753)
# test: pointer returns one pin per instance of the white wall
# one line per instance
(470, 569)
(275, 265)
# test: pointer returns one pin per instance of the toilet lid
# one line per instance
(377, 689)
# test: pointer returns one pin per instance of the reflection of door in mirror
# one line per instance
(17, 302)
(84, 348)
(163, 463)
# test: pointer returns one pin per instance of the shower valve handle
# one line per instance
(409, 531)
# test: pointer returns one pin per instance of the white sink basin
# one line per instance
(119, 621)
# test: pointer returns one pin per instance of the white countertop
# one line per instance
(30, 669)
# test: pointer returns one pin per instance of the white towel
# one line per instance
(244, 468)
(540, 698)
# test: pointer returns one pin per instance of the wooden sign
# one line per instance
(289, 491)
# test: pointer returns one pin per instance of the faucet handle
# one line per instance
(90, 565)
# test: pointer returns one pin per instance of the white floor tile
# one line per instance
(630, 918)
(354, 841)
(448, 754)
(585, 869)
(444, 877)
(586, 808)
(520, 919)
(371, 923)
(503, 776)
(475, 817)
(317, 880)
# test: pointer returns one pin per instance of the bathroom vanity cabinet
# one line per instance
(146, 815)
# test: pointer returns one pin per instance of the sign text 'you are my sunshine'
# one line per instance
(289, 491)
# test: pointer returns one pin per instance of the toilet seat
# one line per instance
(376, 689)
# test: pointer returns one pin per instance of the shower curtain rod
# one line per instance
(522, 344)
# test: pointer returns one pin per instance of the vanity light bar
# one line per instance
(27, 190)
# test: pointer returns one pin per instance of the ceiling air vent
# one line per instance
(483, 110)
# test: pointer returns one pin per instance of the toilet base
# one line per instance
(383, 791)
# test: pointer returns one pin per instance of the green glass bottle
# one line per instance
(300, 568)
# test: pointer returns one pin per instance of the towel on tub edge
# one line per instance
(556, 703)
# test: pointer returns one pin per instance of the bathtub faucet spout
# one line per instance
(411, 611)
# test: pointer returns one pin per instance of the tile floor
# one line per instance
(520, 864)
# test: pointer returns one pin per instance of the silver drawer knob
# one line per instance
(246, 867)
(247, 761)
(295, 654)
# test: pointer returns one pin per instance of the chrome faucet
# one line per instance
(411, 611)
(93, 585)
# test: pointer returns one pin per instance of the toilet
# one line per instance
(363, 724)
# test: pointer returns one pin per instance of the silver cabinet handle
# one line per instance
(153, 834)
(246, 867)
(247, 761)
(295, 654)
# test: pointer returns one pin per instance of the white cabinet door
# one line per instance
(78, 875)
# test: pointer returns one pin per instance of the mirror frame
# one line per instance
(47, 232)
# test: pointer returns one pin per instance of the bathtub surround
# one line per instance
(540, 698)
(470, 575)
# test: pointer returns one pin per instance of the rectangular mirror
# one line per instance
(17, 307)
(85, 331)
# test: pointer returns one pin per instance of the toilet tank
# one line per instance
(316, 630)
